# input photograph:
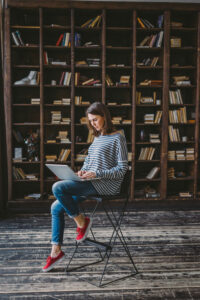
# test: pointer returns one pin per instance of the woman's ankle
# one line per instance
(56, 249)
(80, 221)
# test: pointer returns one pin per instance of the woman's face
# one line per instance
(96, 121)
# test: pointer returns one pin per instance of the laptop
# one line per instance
(65, 172)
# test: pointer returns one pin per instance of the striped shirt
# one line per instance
(108, 158)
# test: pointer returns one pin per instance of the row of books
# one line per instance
(153, 40)
(152, 118)
(178, 115)
(146, 99)
(64, 154)
(149, 61)
(175, 97)
(57, 62)
(174, 134)
(145, 23)
(19, 174)
(93, 22)
(146, 153)
(79, 101)
(17, 39)
(124, 80)
(185, 154)
(85, 81)
(64, 39)
(65, 78)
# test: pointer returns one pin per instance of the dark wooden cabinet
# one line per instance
(148, 76)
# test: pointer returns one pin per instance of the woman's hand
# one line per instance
(88, 174)
(80, 173)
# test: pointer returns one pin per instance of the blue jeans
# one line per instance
(69, 194)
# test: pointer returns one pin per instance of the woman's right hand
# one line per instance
(80, 173)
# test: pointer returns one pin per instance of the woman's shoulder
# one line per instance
(118, 133)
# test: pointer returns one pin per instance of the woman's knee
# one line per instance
(56, 208)
(57, 187)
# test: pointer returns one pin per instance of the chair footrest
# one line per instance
(97, 244)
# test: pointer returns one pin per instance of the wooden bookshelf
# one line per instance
(117, 47)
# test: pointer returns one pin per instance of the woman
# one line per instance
(107, 160)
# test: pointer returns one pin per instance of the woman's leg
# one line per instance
(57, 224)
(65, 190)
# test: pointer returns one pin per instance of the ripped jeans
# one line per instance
(69, 194)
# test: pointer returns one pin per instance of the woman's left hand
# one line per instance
(88, 175)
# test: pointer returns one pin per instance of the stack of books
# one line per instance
(148, 118)
(124, 80)
(180, 154)
(63, 101)
(83, 120)
(62, 137)
(56, 117)
(93, 62)
(125, 121)
(154, 138)
(171, 173)
(181, 80)
(51, 158)
(189, 153)
(175, 42)
(116, 120)
(171, 155)
(148, 82)
(185, 194)
(35, 101)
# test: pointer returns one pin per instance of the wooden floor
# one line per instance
(165, 246)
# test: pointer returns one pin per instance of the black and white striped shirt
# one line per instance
(108, 158)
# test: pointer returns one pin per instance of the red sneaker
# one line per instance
(83, 232)
(53, 261)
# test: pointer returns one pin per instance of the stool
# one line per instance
(115, 220)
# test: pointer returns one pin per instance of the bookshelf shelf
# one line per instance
(115, 44)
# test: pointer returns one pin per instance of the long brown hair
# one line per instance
(100, 109)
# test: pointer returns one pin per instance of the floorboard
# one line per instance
(165, 246)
